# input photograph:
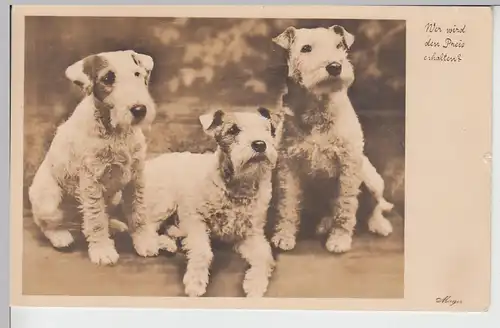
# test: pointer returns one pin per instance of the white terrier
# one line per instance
(98, 153)
(322, 144)
(223, 195)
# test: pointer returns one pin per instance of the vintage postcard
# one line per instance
(308, 157)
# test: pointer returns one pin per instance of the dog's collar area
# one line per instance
(233, 187)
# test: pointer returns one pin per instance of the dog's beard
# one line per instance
(253, 166)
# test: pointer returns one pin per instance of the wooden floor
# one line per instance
(374, 268)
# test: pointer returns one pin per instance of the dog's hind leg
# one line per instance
(377, 223)
(113, 206)
(45, 196)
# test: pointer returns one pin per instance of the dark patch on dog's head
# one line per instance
(91, 68)
(138, 62)
(266, 113)
(347, 39)
(101, 75)
(217, 119)
(217, 126)
(224, 133)
(93, 64)
(83, 73)
(286, 38)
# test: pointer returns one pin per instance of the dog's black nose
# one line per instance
(334, 69)
(259, 146)
(138, 111)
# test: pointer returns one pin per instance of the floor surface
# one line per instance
(374, 268)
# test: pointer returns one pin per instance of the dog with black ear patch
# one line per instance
(222, 195)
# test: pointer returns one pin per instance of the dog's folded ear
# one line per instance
(264, 112)
(211, 120)
(347, 38)
(274, 119)
(79, 74)
(286, 38)
(143, 60)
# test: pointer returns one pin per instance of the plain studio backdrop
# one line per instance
(203, 64)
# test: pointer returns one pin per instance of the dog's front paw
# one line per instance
(195, 283)
(59, 238)
(339, 241)
(380, 225)
(146, 243)
(167, 243)
(103, 253)
(283, 240)
(255, 283)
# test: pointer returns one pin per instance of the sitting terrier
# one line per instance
(221, 196)
(99, 153)
(321, 151)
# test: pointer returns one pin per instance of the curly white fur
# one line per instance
(223, 195)
(322, 140)
(98, 152)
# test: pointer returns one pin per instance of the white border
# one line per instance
(124, 318)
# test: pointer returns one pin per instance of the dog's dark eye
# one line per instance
(306, 48)
(109, 78)
(273, 131)
(137, 74)
(234, 130)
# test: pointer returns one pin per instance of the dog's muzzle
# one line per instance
(334, 68)
(138, 112)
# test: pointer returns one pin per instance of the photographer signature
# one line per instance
(448, 300)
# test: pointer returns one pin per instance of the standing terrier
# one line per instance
(223, 195)
(322, 144)
(98, 153)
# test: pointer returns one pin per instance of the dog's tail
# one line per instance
(384, 205)
(375, 184)
(116, 225)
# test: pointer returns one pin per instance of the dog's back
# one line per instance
(174, 175)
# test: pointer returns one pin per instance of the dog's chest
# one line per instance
(118, 158)
(315, 153)
(317, 143)
(229, 220)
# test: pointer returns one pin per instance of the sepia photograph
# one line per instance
(187, 155)
(214, 156)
